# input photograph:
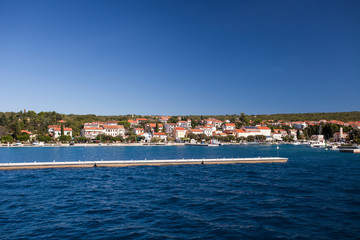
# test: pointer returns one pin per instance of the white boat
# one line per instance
(213, 145)
(317, 144)
(296, 143)
(18, 144)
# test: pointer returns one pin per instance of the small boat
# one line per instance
(213, 145)
(318, 145)
(18, 143)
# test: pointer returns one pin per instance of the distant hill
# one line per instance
(340, 116)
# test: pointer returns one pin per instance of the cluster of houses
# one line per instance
(147, 129)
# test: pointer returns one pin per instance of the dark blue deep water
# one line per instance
(315, 195)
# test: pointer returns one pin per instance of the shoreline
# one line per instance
(91, 145)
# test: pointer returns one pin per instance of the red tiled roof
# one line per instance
(93, 128)
(240, 131)
(179, 128)
(263, 127)
(159, 133)
(25, 131)
(65, 129)
(112, 127)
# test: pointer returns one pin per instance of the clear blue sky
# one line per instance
(180, 57)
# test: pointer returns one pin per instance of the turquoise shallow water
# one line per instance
(316, 194)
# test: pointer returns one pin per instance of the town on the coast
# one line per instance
(50, 128)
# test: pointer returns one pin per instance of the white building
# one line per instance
(114, 130)
(228, 127)
(276, 136)
(299, 125)
(160, 135)
(184, 124)
(169, 127)
(208, 131)
(264, 130)
(196, 131)
(179, 132)
(138, 131)
(57, 132)
(91, 132)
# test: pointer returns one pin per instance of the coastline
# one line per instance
(92, 145)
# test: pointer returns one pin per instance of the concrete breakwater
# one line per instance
(129, 163)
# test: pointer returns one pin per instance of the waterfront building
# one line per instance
(57, 132)
(340, 136)
(264, 130)
(276, 136)
(31, 135)
(208, 131)
(91, 132)
(160, 135)
(179, 133)
(318, 138)
(114, 130)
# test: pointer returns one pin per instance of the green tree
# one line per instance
(126, 124)
(64, 138)
(155, 139)
(44, 138)
(7, 139)
(62, 130)
(23, 137)
(131, 139)
(250, 138)
(173, 119)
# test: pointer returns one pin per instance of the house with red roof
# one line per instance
(264, 130)
(179, 132)
(138, 131)
(91, 131)
(164, 119)
(151, 127)
(195, 131)
(228, 127)
(57, 131)
(132, 123)
(114, 130)
(160, 135)
(141, 120)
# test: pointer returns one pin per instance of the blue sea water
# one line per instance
(315, 195)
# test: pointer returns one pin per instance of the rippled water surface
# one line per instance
(315, 195)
